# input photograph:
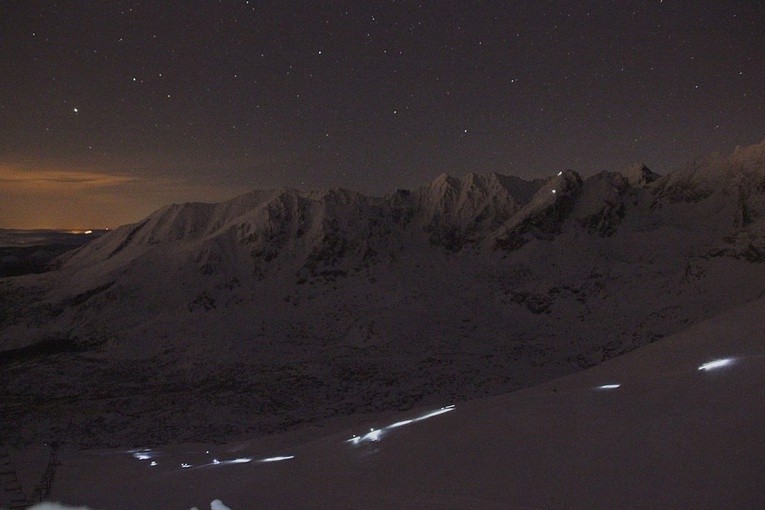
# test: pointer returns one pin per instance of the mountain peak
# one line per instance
(358, 293)
(639, 175)
(739, 171)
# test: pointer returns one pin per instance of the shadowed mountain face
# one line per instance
(282, 307)
(33, 251)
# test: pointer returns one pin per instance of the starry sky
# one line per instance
(111, 109)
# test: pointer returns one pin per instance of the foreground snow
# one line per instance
(676, 424)
(216, 504)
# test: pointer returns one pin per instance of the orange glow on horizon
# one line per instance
(42, 195)
(40, 181)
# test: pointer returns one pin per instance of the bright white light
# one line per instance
(277, 459)
(143, 454)
(718, 363)
(608, 386)
(185, 466)
(217, 504)
(153, 463)
(434, 413)
(376, 435)
(371, 436)
(399, 424)
(560, 173)
(243, 460)
(554, 192)
(216, 462)
(88, 232)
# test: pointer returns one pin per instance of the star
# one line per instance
(76, 110)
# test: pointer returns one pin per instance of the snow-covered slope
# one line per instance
(740, 173)
(455, 211)
(677, 424)
(280, 308)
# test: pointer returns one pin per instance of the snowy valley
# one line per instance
(303, 312)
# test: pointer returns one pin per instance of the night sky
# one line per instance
(110, 109)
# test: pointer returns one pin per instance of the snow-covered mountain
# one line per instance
(281, 307)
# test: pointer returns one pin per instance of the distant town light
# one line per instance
(608, 386)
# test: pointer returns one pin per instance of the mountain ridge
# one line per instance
(452, 209)
(309, 304)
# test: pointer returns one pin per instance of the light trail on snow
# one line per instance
(375, 435)
(715, 364)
